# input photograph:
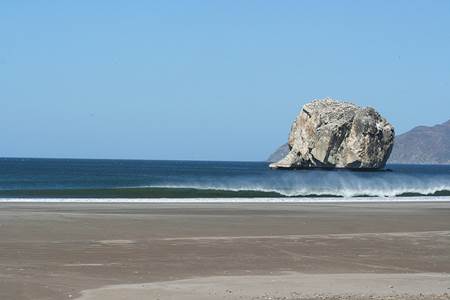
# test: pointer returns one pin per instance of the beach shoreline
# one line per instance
(231, 200)
(73, 250)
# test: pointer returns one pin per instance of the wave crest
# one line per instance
(190, 192)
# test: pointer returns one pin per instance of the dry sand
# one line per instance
(224, 251)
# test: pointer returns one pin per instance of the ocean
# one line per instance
(29, 179)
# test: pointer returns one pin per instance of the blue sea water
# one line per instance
(90, 178)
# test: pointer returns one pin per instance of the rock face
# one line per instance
(333, 134)
(423, 145)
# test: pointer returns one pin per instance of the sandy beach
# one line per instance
(224, 251)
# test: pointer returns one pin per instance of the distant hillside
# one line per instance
(281, 152)
(421, 145)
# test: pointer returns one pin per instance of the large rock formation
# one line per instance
(333, 134)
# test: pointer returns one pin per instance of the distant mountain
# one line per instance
(420, 145)
(423, 145)
(281, 152)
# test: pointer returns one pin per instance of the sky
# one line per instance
(209, 80)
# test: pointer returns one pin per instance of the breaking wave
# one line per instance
(186, 192)
(38, 178)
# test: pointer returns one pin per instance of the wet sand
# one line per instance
(224, 251)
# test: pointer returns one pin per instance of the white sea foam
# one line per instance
(229, 200)
(343, 184)
(348, 190)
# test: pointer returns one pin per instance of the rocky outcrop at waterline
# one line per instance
(334, 134)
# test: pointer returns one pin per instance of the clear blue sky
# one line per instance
(210, 80)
